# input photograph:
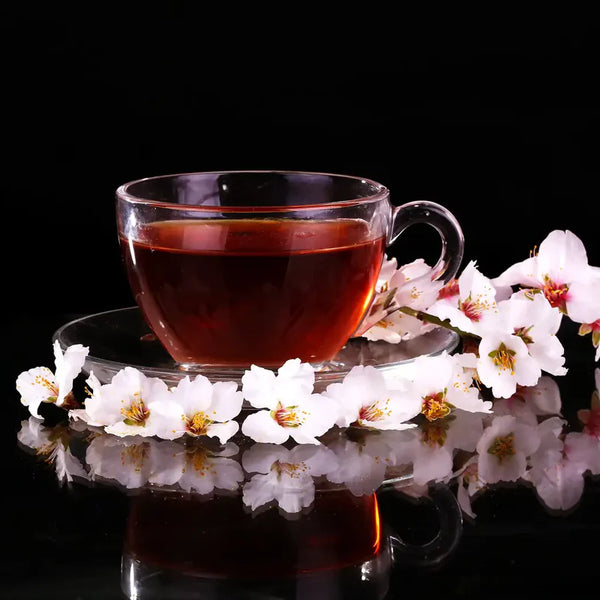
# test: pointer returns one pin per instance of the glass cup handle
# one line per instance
(444, 222)
(443, 544)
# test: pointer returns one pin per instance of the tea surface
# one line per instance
(239, 292)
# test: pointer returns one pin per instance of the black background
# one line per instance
(493, 115)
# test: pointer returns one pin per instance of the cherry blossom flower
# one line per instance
(443, 383)
(125, 406)
(283, 475)
(363, 398)
(412, 286)
(504, 362)
(383, 302)
(560, 270)
(536, 322)
(40, 384)
(470, 485)
(518, 342)
(292, 409)
(474, 304)
(198, 407)
(504, 447)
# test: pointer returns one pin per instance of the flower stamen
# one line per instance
(287, 416)
(293, 470)
(473, 309)
(523, 333)
(502, 447)
(556, 294)
(198, 423)
(503, 358)
(374, 412)
(49, 385)
(136, 414)
(435, 406)
(452, 288)
(435, 434)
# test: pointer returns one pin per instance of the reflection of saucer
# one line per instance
(120, 338)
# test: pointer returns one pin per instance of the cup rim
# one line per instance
(381, 193)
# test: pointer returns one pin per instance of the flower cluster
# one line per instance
(510, 340)
(514, 330)
(526, 441)
(279, 406)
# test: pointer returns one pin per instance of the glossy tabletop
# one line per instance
(87, 516)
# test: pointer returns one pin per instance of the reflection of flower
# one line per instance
(135, 462)
(292, 409)
(40, 384)
(364, 398)
(526, 440)
(53, 445)
(558, 467)
(529, 403)
(362, 461)
(504, 447)
(194, 467)
(469, 484)
(543, 398)
(124, 460)
(285, 476)
(432, 451)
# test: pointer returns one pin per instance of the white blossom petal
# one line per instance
(68, 367)
(261, 427)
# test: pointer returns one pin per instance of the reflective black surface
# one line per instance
(105, 537)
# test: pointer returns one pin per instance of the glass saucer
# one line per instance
(120, 338)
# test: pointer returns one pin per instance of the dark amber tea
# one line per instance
(236, 292)
(234, 268)
(219, 538)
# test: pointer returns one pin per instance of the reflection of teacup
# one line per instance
(221, 538)
(340, 548)
(240, 268)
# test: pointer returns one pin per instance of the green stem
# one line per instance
(427, 318)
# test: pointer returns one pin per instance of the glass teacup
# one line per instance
(258, 267)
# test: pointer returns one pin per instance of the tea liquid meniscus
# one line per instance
(236, 292)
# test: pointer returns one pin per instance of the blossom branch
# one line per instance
(427, 318)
